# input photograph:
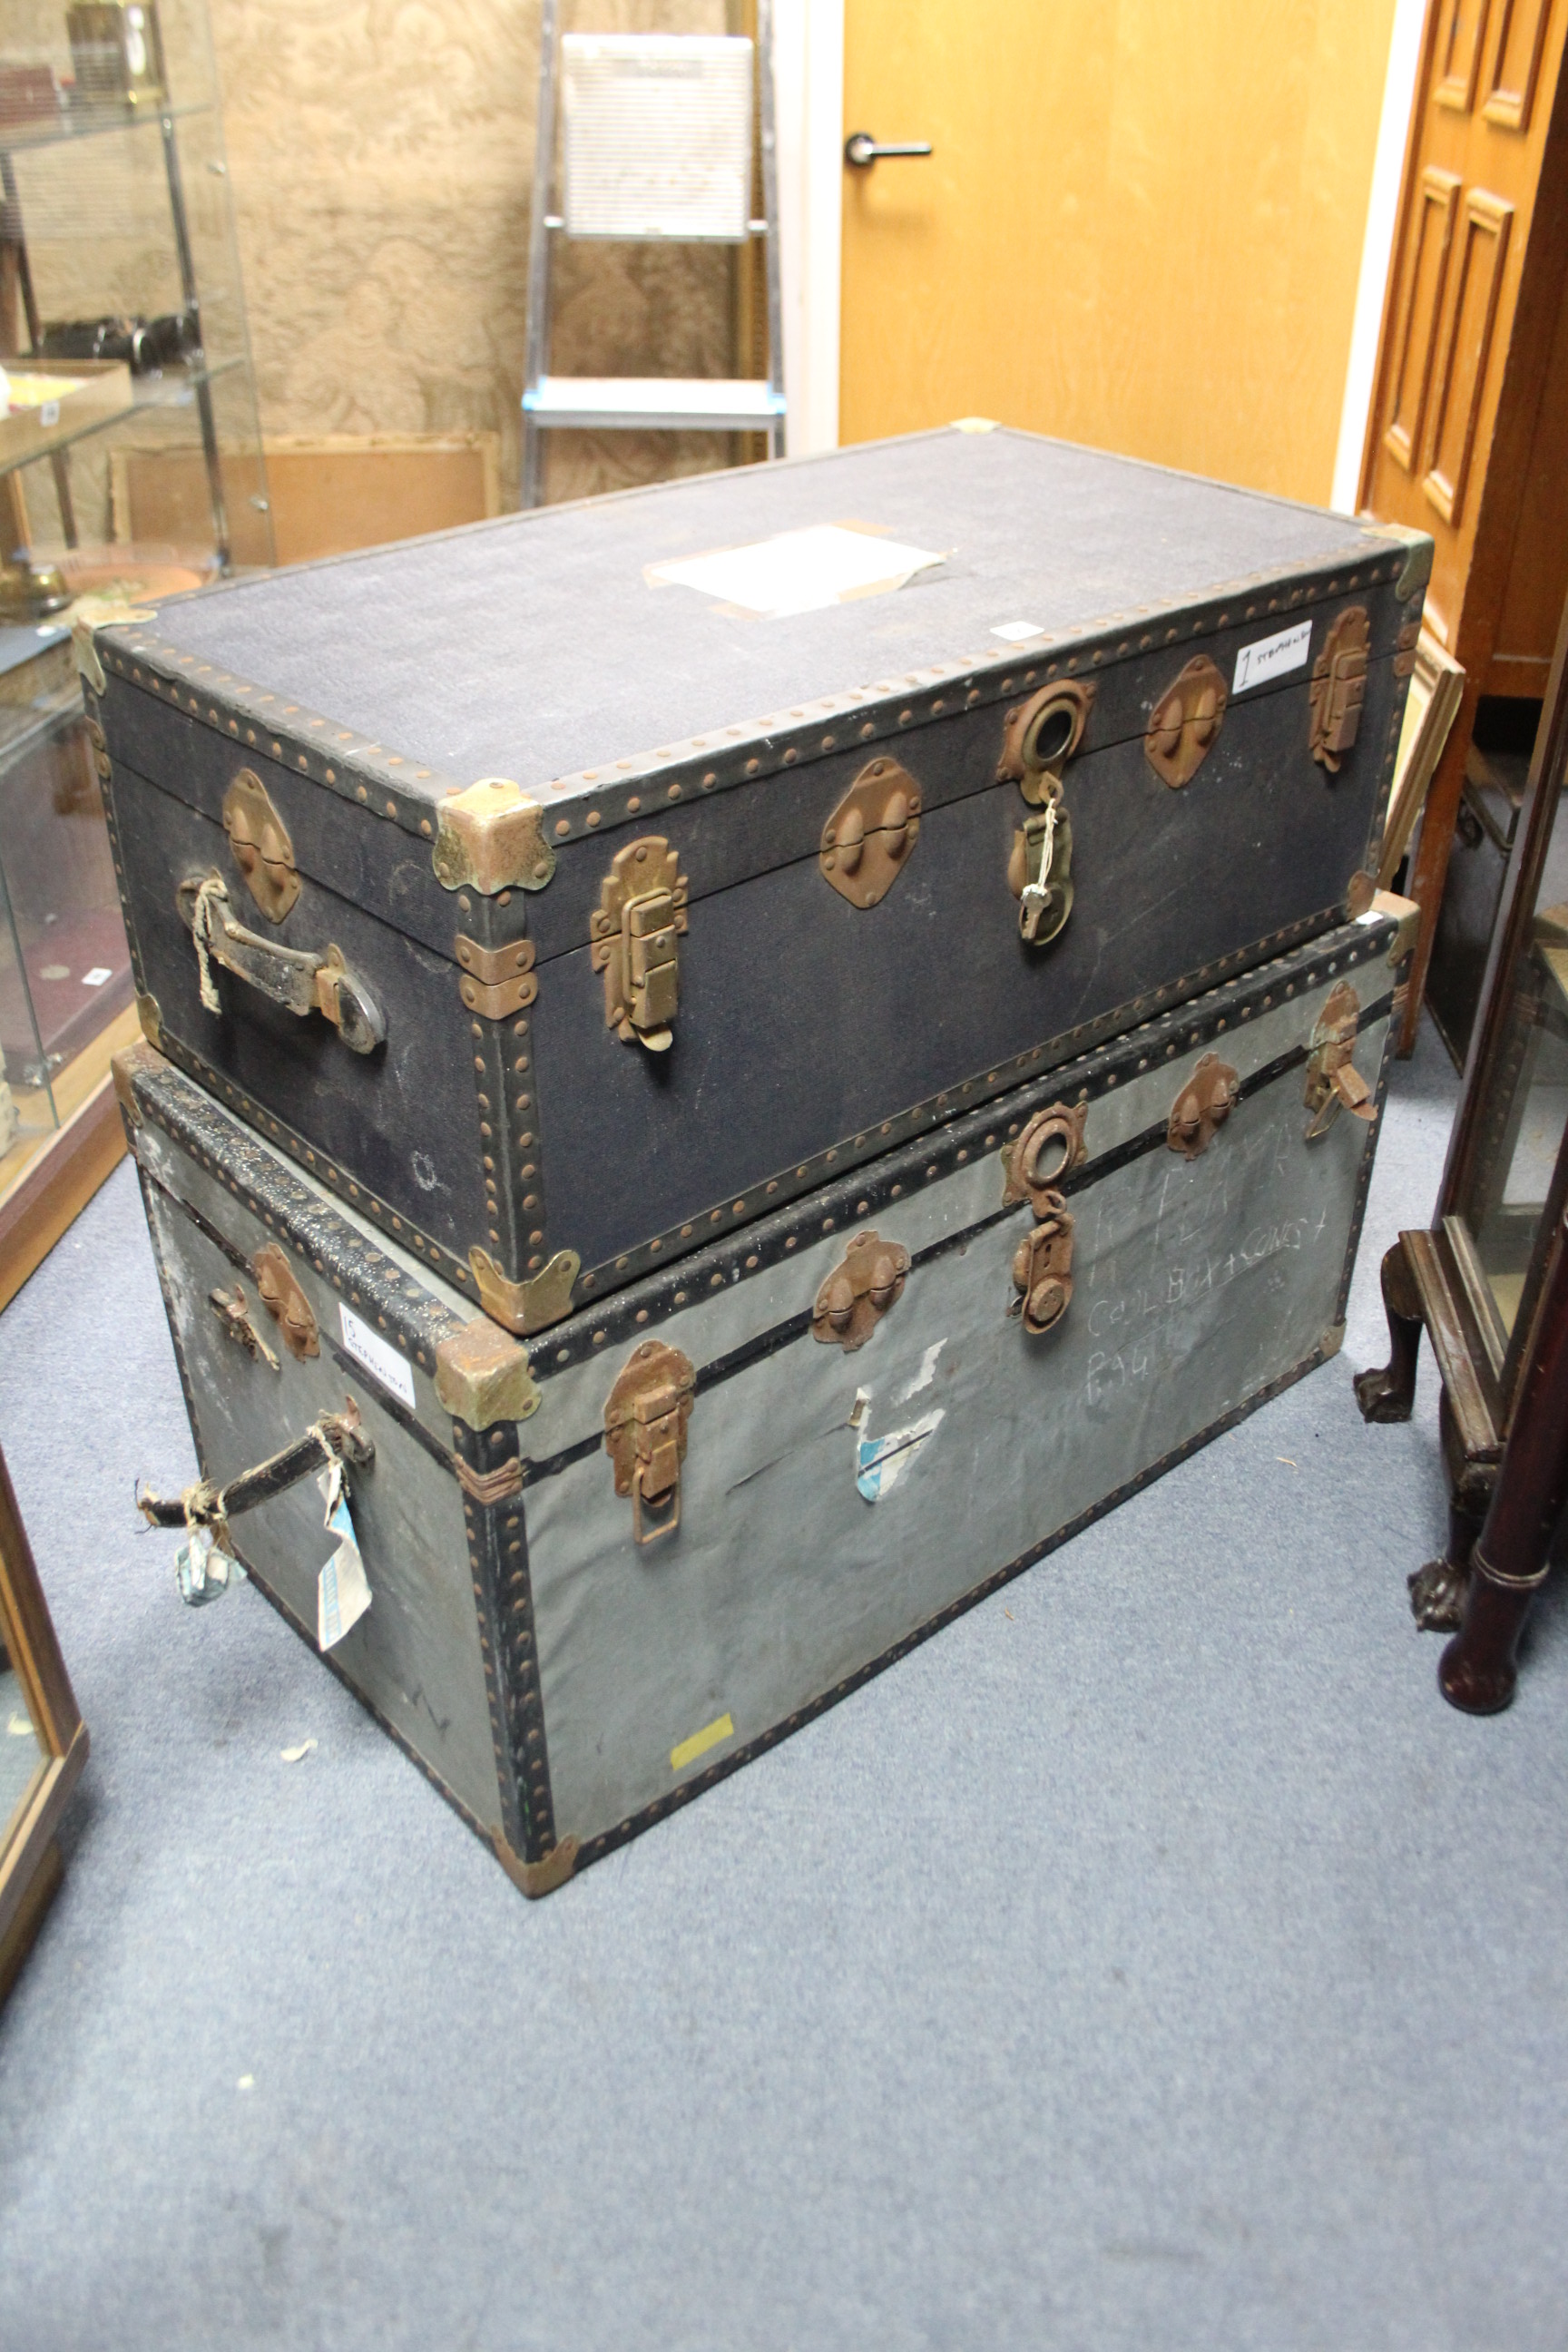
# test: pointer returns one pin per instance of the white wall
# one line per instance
(1398, 91)
(808, 72)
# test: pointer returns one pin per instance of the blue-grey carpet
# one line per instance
(1151, 1961)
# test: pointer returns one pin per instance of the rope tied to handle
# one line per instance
(208, 894)
(332, 1437)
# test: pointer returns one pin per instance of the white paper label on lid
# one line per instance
(97, 976)
(1013, 633)
(1274, 657)
(369, 1348)
(800, 571)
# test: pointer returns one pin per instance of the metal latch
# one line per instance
(1333, 1082)
(645, 1435)
(286, 1302)
(1042, 1266)
(1339, 686)
(234, 1313)
(1202, 1108)
(641, 913)
(859, 1292)
(260, 844)
(303, 981)
(1051, 1145)
(1039, 738)
(1184, 725)
(867, 842)
(1040, 872)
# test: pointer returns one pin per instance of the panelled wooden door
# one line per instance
(1141, 226)
(1467, 434)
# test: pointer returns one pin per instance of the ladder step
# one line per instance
(661, 402)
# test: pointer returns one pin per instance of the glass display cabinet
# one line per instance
(130, 457)
(1482, 1281)
(65, 969)
(130, 469)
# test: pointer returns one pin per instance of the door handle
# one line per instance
(861, 150)
(302, 980)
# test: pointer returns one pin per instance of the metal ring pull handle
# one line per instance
(334, 1437)
(303, 981)
(861, 150)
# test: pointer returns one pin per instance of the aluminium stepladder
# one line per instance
(657, 144)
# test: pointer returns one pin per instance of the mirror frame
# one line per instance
(30, 1854)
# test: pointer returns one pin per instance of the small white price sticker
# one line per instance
(97, 976)
(369, 1348)
(1275, 657)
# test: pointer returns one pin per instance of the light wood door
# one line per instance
(1141, 229)
(1467, 434)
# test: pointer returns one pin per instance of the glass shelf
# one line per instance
(173, 389)
(89, 122)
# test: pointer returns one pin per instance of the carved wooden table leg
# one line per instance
(1437, 1590)
(1507, 1563)
(1389, 1393)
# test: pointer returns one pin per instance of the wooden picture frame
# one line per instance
(1437, 686)
(30, 1865)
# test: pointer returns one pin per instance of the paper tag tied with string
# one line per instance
(204, 1571)
(343, 1591)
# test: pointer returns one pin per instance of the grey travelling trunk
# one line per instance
(609, 1566)
(559, 915)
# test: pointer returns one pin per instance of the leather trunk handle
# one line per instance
(334, 1437)
(303, 979)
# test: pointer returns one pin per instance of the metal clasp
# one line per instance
(1202, 1108)
(1333, 1082)
(856, 1295)
(867, 842)
(1040, 872)
(645, 1435)
(234, 1313)
(259, 841)
(1184, 724)
(286, 1302)
(1050, 1147)
(1339, 686)
(1042, 1266)
(641, 913)
(1039, 736)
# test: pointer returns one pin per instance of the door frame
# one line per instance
(1393, 132)
(808, 79)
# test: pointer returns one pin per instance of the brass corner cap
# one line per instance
(150, 1014)
(1419, 548)
(94, 613)
(526, 1305)
(482, 1376)
(1332, 1340)
(1407, 914)
(491, 838)
(123, 1067)
(538, 1877)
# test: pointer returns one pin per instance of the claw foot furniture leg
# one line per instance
(1388, 1392)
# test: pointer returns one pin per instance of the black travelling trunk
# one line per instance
(560, 913)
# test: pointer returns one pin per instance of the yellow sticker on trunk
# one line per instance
(711, 1734)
